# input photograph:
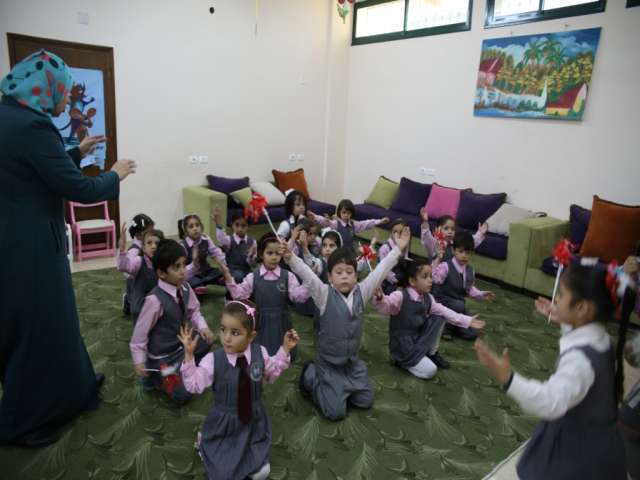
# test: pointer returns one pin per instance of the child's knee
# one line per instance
(334, 413)
(363, 399)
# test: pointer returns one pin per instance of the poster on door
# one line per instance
(85, 114)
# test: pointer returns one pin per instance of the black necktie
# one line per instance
(180, 303)
(244, 390)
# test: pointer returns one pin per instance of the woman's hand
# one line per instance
(124, 168)
(88, 144)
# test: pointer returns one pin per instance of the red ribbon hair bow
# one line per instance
(256, 207)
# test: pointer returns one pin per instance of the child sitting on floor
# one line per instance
(447, 227)
(155, 348)
(142, 276)
(271, 288)
(240, 249)
(344, 224)
(417, 321)
(454, 280)
(338, 377)
(139, 224)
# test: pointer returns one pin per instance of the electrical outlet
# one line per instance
(292, 157)
(431, 172)
(301, 157)
(203, 159)
(427, 172)
(193, 159)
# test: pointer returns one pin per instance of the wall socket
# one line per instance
(427, 172)
(203, 159)
(296, 157)
(193, 159)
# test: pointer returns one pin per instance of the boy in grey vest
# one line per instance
(156, 351)
(338, 377)
(454, 280)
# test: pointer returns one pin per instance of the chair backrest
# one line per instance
(74, 205)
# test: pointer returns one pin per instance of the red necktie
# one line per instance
(244, 390)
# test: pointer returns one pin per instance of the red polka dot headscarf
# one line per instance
(38, 82)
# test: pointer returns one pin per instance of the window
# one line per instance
(509, 12)
(383, 20)
(633, 3)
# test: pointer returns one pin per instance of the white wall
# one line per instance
(188, 82)
(410, 104)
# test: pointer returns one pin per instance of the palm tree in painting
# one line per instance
(533, 53)
(556, 57)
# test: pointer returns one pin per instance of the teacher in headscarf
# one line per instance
(46, 373)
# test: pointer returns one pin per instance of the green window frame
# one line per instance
(541, 14)
(404, 34)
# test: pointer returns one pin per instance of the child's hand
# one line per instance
(489, 296)
(295, 234)
(476, 323)
(440, 250)
(403, 240)
(224, 269)
(311, 216)
(424, 216)
(383, 220)
(215, 216)
(140, 370)
(483, 228)
(122, 241)
(374, 241)
(545, 307)
(253, 251)
(291, 339)
(303, 240)
(630, 266)
(285, 250)
(379, 295)
(188, 342)
(208, 336)
(500, 367)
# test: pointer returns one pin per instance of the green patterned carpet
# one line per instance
(456, 426)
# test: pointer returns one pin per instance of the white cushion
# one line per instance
(274, 196)
(507, 214)
(97, 223)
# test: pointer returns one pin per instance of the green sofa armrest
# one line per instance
(544, 237)
(203, 201)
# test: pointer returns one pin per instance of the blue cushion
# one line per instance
(493, 246)
(411, 196)
(476, 208)
(578, 223)
(321, 208)
(549, 267)
(366, 211)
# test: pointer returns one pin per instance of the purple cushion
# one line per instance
(578, 223)
(475, 208)
(493, 246)
(227, 185)
(411, 196)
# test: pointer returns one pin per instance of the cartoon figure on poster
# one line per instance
(85, 114)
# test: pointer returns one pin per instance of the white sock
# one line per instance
(261, 474)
